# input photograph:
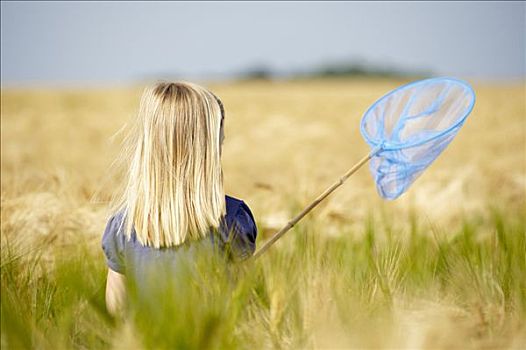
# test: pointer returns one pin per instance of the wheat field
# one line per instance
(444, 266)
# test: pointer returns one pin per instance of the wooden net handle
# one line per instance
(311, 206)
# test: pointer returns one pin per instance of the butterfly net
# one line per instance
(409, 127)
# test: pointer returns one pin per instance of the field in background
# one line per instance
(446, 258)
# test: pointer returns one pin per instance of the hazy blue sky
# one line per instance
(92, 42)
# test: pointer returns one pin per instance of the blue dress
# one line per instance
(236, 237)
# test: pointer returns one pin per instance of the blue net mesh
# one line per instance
(410, 126)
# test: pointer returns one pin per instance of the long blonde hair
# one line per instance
(174, 191)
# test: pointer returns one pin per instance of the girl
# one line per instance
(173, 198)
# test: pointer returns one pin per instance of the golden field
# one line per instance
(286, 141)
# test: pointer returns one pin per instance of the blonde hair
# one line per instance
(174, 191)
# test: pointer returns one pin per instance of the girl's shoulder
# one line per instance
(239, 228)
(235, 207)
(113, 242)
(238, 215)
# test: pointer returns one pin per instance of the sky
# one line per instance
(121, 42)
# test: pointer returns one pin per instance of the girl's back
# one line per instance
(235, 239)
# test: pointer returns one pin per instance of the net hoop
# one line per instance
(384, 145)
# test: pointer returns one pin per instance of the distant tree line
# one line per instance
(335, 70)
